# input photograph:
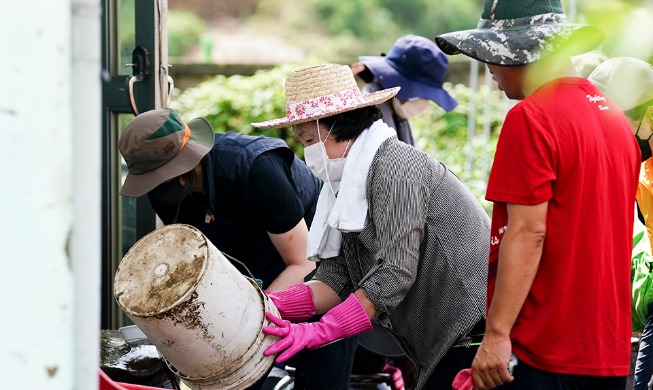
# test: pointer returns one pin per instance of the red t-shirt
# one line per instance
(569, 145)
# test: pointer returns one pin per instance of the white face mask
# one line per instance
(410, 108)
(326, 169)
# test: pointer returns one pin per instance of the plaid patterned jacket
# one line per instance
(422, 259)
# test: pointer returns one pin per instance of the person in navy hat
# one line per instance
(419, 67)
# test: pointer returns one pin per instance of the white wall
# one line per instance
(50, 118)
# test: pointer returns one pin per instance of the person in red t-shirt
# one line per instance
(563, 183)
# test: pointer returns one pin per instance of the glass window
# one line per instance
(126, 35)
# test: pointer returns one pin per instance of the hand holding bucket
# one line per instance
(345, 320)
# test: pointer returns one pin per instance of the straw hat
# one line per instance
(514, 33)
(319, 91)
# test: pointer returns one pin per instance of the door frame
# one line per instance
(150, 33)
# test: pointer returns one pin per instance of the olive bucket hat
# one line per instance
(158, 145)
(518, 32)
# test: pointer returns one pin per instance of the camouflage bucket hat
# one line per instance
(518, 32)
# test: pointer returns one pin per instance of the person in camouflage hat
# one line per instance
(563, 184)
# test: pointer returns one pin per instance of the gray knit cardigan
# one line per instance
(422, 259)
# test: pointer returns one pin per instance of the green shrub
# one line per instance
(184, 31)
(444, 135)
(232, 103)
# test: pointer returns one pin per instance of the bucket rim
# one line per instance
(225, 379)
(191, 289)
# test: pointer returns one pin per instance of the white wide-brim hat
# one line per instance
(628, 81)
(320, 91)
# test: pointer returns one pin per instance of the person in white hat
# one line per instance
(628, 82)
(399, 238)
(563, 185)
(251, 196)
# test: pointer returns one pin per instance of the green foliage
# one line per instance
(430, 18)
(232, 103)
(343, 30)
(444, 135)
(184, 31)
(355, 18)
(627, 27)
(126, 34)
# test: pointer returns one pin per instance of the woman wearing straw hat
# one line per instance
(399, 237)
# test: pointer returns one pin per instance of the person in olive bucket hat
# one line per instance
(563, 185)
(251, 196)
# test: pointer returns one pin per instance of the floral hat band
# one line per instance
(320, 91)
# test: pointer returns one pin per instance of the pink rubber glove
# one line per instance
(396, 376)
(345, 320)
(295, 303)
(463, 380)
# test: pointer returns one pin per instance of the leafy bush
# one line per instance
(184, 31)
(444, 135)
(343, 30)
(232, 103)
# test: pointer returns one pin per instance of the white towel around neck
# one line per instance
(348, 211)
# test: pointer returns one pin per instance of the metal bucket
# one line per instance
(203, 315)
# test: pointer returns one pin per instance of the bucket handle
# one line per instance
(251, 275)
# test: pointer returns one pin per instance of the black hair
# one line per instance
(366, 75)
(348, 125)
(193, 176)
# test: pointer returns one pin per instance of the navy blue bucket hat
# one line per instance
(415, 64)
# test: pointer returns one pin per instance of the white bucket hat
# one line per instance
(320, 91)
(627, 81)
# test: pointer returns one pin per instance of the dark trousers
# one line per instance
(326, 368)
(530, 378)
(456, 359)
(643, 375)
